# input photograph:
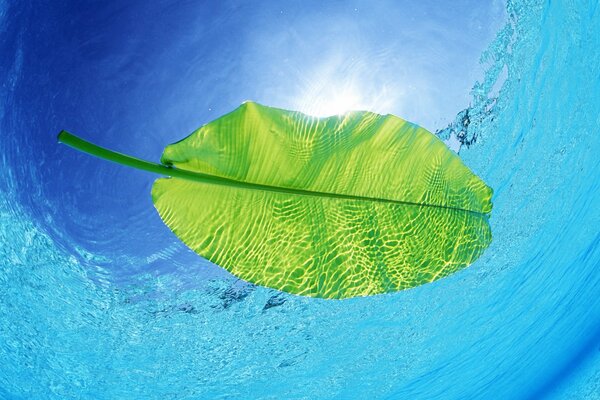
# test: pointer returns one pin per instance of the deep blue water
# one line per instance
(99, 300)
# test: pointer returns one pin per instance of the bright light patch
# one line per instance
(331, 99)
(334, 90)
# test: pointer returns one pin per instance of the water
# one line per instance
(100, 301)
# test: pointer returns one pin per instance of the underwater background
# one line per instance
(99, 300)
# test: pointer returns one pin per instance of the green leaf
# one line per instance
(337, 207)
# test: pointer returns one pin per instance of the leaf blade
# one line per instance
(428, 220)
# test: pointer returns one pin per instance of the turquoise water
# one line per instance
(99, 301)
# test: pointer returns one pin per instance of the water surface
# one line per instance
(99, 300)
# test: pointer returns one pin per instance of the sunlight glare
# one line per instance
(329, 101)
(329, 92)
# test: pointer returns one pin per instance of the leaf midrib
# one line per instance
(123, 159)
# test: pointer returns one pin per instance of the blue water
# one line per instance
(98, 300)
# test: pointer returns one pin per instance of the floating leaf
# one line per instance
(337, 207)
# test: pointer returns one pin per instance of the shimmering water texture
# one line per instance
(374, 204)
(99, 300)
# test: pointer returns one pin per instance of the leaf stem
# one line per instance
(93, 149)
(90, 148)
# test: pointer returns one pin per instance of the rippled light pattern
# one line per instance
(375, 204)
